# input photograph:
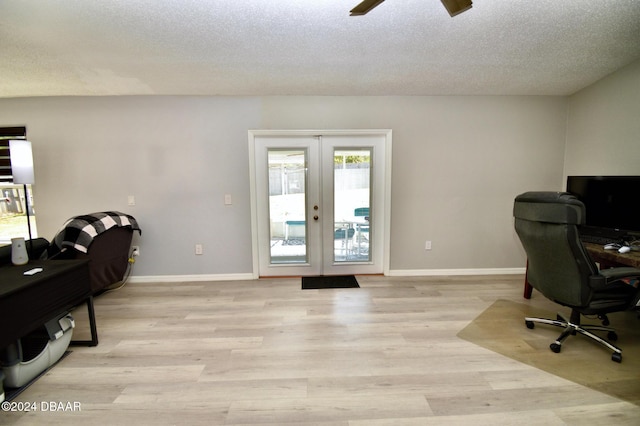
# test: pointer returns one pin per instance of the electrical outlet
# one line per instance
(427, 245)
(135, 251)
(198, 249)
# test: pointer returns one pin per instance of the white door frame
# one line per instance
(386, 220)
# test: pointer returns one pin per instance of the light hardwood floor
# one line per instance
(267, 352)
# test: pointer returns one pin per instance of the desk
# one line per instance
(611, 258)
(606, 259)
(27, 302)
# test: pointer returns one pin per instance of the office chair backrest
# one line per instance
(558, 264)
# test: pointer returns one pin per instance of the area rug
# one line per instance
(329, 281)
(501, 328)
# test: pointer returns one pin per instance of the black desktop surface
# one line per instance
(28, 301)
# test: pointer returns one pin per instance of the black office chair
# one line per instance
(560, 267)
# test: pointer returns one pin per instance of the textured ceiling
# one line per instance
(311, 47)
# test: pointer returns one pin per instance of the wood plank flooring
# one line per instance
(267, 352)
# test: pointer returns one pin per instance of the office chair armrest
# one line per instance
(615, 274)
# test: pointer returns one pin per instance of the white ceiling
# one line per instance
(311, 47)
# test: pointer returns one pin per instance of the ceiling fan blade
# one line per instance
(454, 7)
(364, 7)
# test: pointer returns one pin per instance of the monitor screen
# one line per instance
(611, 202)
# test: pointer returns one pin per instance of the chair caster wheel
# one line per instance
(612, 336)
(604, 319)
(555, 347)
(530, 324)
(617, 357)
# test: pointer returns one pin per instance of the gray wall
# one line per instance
(603, 128)
(177, 155)
(457, 164)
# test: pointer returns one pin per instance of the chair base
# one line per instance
(572, 328)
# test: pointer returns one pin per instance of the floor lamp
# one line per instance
(22, 171)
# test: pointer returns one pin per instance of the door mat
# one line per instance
(329, 281)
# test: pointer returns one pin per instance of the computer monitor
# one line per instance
(611, 202)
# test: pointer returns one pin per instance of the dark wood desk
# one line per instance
(606, 259)
(28, 301)
(611, 258)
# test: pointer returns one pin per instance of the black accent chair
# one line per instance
(560, 268)
(108, 257)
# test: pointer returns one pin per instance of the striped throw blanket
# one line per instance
(79, 231)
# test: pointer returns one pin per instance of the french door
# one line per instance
(320, 202)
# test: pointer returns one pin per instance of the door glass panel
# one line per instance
(287, 205)
(352, 199)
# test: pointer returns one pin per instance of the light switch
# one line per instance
(227, 199)
(132, 200)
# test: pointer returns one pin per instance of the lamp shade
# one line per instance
(21, 161)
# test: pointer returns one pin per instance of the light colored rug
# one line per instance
(501, 328)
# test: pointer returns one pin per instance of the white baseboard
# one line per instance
(452, 272)
(189, 278)
(392, 273)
